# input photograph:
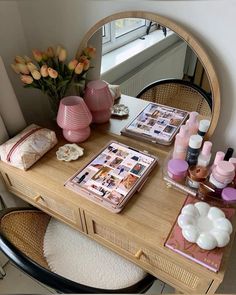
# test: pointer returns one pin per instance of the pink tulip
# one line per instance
(44, 71)
(38, 56)
(79, 68)
(22, 68)
(90, 52)
(86, 64)
(72, 64)
(52, 73)
(62, 54)
(50, 52)
(19, 59)
(31, 66)
(26, 79)
(36, 75)
(15, 68)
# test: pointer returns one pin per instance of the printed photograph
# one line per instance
(143, 127)
(169, 129)
(121, 170)
(151, 122)
(101, 174)
(121, 153)
(116, 162)
(180, 113)
(115, 197)
(138, 169)
(101, 160)
(111, 181)
(162, 122)
(175, 121)
(128, 182)
(84, 176)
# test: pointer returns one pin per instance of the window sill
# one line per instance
(136, 52)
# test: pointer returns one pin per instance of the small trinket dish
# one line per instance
(69, 152)
(120, 110)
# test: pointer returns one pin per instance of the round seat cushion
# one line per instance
(80, 259)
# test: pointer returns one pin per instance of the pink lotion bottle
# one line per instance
(181, 143)
(205, 155)
(192, 123)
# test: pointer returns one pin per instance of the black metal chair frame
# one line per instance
(55, 281)
(205, 94)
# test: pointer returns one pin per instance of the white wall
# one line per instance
(60, 21)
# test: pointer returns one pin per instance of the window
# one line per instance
(122, 31)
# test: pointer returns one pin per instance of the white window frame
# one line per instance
(111, 42)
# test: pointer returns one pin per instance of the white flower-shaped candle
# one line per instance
(205, 225)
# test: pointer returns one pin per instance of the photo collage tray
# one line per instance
(156, 123)
(113, 175)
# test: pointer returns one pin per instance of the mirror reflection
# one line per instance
(134, 52)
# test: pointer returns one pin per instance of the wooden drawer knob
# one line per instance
(37, 198)
(139, 254)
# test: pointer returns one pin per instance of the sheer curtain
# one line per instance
(11, 122)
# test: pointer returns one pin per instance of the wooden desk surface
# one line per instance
(146, 219)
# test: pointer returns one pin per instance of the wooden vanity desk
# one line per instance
(138, 233)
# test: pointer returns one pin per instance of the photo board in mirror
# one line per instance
(158, 49)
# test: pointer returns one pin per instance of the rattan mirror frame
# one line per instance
(187, 37)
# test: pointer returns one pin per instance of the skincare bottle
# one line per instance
(181, 143)
(218, 157)
(228, 154)
(205, 155)
(203, 127)
(193, 123)
(193, 150)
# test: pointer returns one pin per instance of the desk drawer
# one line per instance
(43, 199)
(156, 263)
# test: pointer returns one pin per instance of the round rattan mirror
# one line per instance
(191, 41)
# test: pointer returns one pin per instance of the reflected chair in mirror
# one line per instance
(179, 94)
(22, 239)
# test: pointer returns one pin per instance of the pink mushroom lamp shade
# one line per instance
(74, 118)
(99, 100)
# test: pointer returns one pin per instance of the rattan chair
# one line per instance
(21, 239)
(179, 94)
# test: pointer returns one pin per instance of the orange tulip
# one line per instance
(58, 49)
(15, 68)
(38, 55)
(23, 68)
(44, 71)
(72, 64)
(86, 64)
(62, 54)
(27, 59)
(52, 73)
(83, 58)
(26, 79)
(79, 68)
(36, 75)
(45, 56)
(31, 66)
(50, 52)
(19, 59)
(90, 52)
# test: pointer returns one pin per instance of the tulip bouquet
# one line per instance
(49, 72)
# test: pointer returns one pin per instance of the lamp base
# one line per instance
(79, 135)
(100, 117)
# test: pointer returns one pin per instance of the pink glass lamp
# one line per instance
(99, 100)
(74, 118)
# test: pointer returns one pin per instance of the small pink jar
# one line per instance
(224, 172)
(177, 169)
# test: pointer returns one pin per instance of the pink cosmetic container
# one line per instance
(229, 195)
(177, 169)
(224, 172)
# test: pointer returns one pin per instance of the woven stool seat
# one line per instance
(73, 264)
